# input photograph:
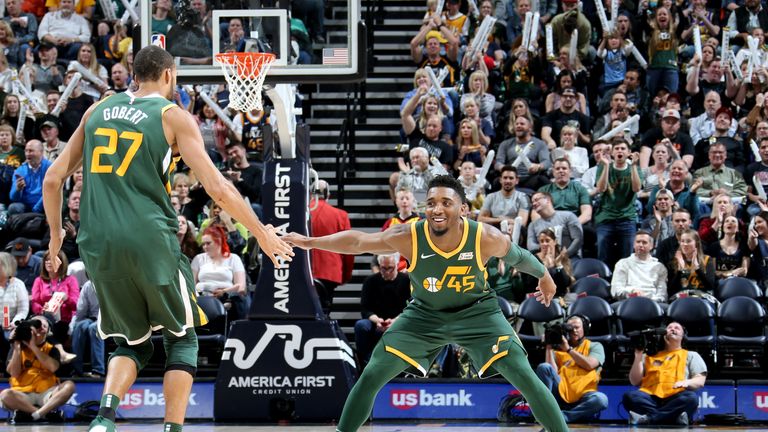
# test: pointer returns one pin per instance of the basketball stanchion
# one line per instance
(287, 361)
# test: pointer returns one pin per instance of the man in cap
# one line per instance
(723, 124)
(27, 264)
(669, 130)
(703, 126)
(49, 130)
(553, 121)
(436, 46)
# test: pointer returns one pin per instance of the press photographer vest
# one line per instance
(34, 377)
(575, 381)
(662, 371)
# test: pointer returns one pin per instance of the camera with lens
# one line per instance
(651, 340)
(23, 331)
(553, 334)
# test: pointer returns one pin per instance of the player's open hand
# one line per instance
(298, 240)
(274, 247)
(54, 246)
(546, 289)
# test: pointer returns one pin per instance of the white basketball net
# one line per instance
(245, 73)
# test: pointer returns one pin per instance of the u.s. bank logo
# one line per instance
(295, 356)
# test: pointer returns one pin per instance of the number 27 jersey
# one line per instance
(447, 280)
(127, 220)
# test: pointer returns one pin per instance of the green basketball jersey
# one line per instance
(447, 280)
(127, 220)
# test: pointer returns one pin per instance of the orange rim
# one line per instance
(246, 64)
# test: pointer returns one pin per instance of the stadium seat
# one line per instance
(590, 267)
(633, 314)
(506, 308)
(741, 336)
(530, 317)
(600, 317)
(593, 286)
(698, 317)
(737, 286)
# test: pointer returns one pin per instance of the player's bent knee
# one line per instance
(181, 350)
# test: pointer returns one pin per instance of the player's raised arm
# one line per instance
(495, 243)
(181, 130)
(351, 242)
(67, 163)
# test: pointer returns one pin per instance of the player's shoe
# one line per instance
(102, 424)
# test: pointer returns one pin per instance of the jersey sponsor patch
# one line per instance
(466, 256)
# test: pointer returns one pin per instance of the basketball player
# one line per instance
(452, 302)
(127, 236)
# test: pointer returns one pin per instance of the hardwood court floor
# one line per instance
(379, 427)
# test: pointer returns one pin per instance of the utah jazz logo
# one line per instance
(455, 277)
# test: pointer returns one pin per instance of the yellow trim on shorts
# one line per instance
(478, 257)
(405, 358)
(414, 247)
(491, 361)
(443, 254)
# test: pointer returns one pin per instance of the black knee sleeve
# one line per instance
(182, 367)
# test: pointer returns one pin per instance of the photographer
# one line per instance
(35, 389)
(572, 370)
(668, 380)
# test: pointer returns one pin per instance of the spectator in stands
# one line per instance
(665, 249)
(11, 111)
(522, 147)
(600, 149)
(684, 196)
(71, 225)
(220, 273)
(27, 265)
(414, 176)
(478, 90)
(658, 173)
(52, 145)
(564, 24)
(502, 207)
(735, 157)
(717, 178)
(640, 274)
(311, 13)
(428, 135)
(745, 18)
(659, 223)
(757, 241)
(698, 86)
(163, 17)
(47, 73)
(10, 46)
(35, 389)
(405, 202)
(383, 297)
(710, 226)
(85, 334)
(618, 112)
(245, 175)
(119, 77)
(555, 258)
(698, 15)
(691, 269)
(54, 295)
(638, 100)
(730, 252)
(568, 195)
(468, 145)
(571, 371)
(485, 130)
(237, 234)
(577, 157)
(568, 230)
(703, 126)
(428, 45)
(516, 17)
(662, 48)
(669, 133)
(186, 237)
(618, 182)
(23, 25)
(330, 268)
(14, 295)
(614, 51)
(76, 106)
(757, 174)
(670, 400)
(421, 105)
(11, 157)
(191, 196)
(474, 187)
(567, 114)
(27, 190)
(65, 29)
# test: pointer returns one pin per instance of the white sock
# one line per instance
(36, 415)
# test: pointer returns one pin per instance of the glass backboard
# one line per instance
(307, 51)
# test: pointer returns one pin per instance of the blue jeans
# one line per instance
(366, 337)
(661, 411)
(17, 208)
(658, 78)
(583, 410)
(86, 331)
(622, 234)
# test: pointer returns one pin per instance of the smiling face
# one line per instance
(678, 171)
(443, 210)
(688, 245)
(546, 243)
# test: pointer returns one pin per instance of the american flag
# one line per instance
(335, 56)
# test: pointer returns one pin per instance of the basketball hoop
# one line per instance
(245, 73)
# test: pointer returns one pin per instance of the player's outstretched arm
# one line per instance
(351, 242)
(181, 130)
(495, 243)
(67, 163)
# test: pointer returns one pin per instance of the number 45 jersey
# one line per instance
(127, 222)
(447, 280)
